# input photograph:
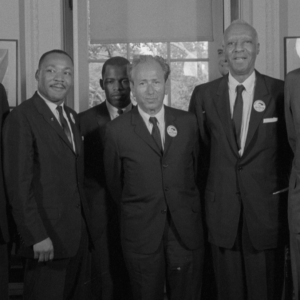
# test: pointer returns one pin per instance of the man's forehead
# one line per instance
(112, 71)
(239, 30)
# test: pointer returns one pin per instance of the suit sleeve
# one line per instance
(4, 110)
(289, 115)
(112, 164)
(20, 164)
(197, 107)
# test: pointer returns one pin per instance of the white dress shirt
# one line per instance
(247, 95)
(160, 116)
(53, 107)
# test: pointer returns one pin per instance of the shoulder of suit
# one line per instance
(293, 74)
(179, 113)
(274, 85)
(211, 85)
(93, 111)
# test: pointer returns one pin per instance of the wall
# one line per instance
(9, 27)
(273, 20)
(37, 25)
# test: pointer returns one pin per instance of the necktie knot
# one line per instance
(120, 111)
(153, 120)
(239, 89)
(59, 108)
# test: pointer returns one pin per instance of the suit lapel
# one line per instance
(169, 121)
(48, 116)
(261, 93)
(142, 131)
(103, 116)
(222, 105)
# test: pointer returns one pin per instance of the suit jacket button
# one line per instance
(240, 168)
(163, 211)
(165, 166)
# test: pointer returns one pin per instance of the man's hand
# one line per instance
(43, 251)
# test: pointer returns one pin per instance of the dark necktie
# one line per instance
(120, 112)
(64, 124)
(238, 114)
(156, 133)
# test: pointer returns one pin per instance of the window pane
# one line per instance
(188, 50)
(96, 94)
(105, 52)
(148, 48)
(184, 77)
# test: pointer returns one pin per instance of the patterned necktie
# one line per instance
(156, 133)
(238, 114)
(64, 124)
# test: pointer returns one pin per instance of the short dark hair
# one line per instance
(53, 51)
(115, 61)
(146, 58)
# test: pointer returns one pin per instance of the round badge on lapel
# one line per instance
(259, 105)
(172, 131)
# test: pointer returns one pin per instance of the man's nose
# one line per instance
(117, 85)
(150, 89)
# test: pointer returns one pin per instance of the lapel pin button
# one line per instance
(259, 105)
(172, 131)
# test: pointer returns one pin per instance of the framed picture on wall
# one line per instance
(9, 69)
(291, 53)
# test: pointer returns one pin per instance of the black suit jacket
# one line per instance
(44, 177)
(4, 110)
(253, 180)
(146, 184)
(92, 127)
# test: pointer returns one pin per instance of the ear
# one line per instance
(258, 48)
(37, 73)
(167, 86)
(101, 84)
(132, 89)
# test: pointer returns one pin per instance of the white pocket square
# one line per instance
(270, 120)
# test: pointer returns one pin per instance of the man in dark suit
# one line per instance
(241, 122)
(4, 235)
(292, 113)
(43, 166)
(109, 277)
(150, 171)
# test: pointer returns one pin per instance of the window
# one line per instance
(188, 62)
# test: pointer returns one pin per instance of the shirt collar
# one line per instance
(248, 83)
(51, 105)
(113, 111)
(160, 116)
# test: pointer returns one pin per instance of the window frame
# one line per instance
(168, 59)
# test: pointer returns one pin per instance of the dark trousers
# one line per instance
(180, 267)
(295, 262)
(3, 272)
(110, 279)
(246, 273)
(60, 279)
